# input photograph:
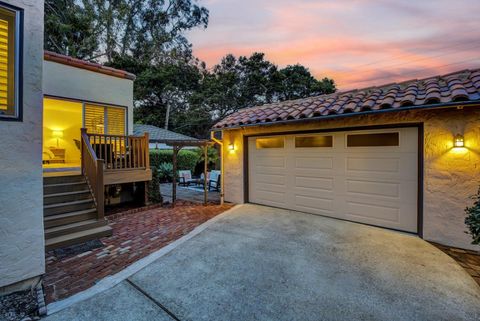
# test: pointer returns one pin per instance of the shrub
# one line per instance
(154, 195)
(473, 219)
(165, 172)
(186, 159)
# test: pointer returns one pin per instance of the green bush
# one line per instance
(154, 195)
(165, 172)
(473, 219)
(186, 159)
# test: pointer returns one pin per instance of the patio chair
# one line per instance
(185, 178)
(214, 181)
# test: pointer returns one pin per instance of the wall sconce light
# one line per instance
(458, 141)
(57, 134)
(231, 147)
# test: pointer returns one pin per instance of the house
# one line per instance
(403, 156)
(158, 136)
(67, 146)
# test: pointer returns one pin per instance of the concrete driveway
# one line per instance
(261, 263)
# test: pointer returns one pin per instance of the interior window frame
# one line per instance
(14, 111)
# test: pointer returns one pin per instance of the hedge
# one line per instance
(154, 195)
(186, 159)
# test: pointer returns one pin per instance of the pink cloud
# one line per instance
(357, 42)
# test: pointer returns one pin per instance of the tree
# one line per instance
(297, 82)
(70, 28)
(147, 30)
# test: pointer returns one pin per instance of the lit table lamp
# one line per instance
(57, 134)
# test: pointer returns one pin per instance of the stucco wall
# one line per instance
(69, 82)
(451, 176)
(21, 189)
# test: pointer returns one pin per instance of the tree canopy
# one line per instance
(173, 88)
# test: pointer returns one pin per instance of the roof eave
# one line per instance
(371, 112)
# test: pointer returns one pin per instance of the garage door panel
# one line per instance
(270, 161)
(373, 188)
(313, 162)
(358, 210)
(367, 165)
(273, 179)
(316, 183)
(375, 185)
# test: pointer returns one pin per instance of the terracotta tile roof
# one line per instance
(78, 63)
(462, 86)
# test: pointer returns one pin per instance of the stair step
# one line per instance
(60, 208)
(63, 179)
(63, 187)
(78, 237)
(73, 227)
(66, 197)
(68, 218)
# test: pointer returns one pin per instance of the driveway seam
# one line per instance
(148, 296)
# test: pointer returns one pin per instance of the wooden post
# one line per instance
(147, 151)
(176, 149)
(205, 171)
(82, 131)
(100, 190)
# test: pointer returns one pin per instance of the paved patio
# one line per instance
(261, 263)
(135, 235)
(192, 193)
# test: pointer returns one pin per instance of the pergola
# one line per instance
(177, 142)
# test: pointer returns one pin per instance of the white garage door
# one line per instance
(363, 176)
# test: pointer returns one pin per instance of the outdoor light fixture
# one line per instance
(57, 134)
(231, 147)
(458, 141)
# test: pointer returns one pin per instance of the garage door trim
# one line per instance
(420, 160)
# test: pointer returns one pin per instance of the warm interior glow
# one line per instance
(62, 121)
(458, 141)
(231, 147)
(57, 133)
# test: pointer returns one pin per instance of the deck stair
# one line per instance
(69, 212)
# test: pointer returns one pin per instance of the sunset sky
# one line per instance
(358, 43)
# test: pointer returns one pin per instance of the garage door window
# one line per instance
(271, 142)
(313, 141)
(373, 140)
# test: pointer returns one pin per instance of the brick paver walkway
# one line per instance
(469, 260)
(134, 237)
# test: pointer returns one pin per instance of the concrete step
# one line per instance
(63, 179)
(66, 197)
(73, 228)
(78, 237)
(67, 207)
(68, 218)
(64, 187)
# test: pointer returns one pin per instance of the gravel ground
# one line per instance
(19, 306)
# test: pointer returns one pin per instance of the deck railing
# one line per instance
(111, 153)
(92, 169)
(121, 152)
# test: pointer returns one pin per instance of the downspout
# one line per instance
(222, 176)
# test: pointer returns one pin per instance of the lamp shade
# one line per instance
(57, 133)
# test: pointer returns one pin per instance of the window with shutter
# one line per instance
(105, 120)
(94, 119)
(9, 60)
(115, 121)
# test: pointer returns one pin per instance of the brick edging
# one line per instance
(133, 211)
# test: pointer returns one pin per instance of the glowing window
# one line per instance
(9, 60)
(271, 142)
(373, 140)
(313, 141)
